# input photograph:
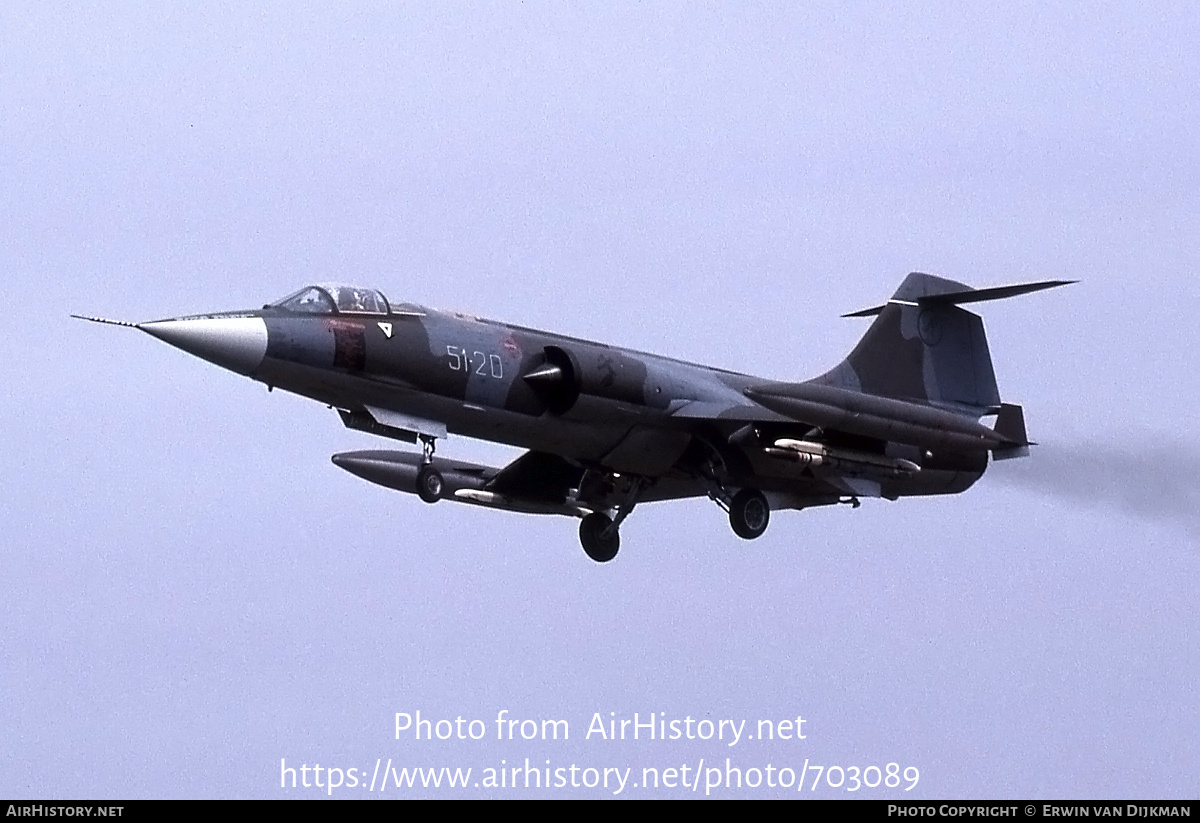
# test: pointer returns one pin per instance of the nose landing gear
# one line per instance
(430, 484)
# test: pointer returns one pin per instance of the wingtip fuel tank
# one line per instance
(461, 482)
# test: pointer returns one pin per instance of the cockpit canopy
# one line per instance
(331, 299)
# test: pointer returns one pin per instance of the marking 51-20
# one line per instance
(475, 362)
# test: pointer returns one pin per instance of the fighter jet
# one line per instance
(606, 428)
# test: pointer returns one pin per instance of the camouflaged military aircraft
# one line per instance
(607, 428)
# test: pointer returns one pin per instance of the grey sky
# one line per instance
(193, 592)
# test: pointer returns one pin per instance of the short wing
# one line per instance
(727, 411)
(543, 477)
(537, 476)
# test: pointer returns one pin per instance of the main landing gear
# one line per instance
(749, 514)
(598, 532)
(749, 511)
(599, 537)
(430, 484)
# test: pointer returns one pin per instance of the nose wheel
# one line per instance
(430, 483)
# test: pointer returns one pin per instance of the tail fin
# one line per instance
(923, 347)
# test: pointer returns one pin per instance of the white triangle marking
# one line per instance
(386, 328)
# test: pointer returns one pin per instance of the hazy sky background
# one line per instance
(191, 591)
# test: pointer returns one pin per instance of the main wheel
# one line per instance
(599, 546)
(749, 514)
(430, 484)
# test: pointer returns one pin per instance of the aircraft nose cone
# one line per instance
(235, 343)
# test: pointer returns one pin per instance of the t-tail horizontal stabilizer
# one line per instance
(923, 347)
(969, 296)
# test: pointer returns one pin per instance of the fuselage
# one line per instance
(605, 428)
(627, 411)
